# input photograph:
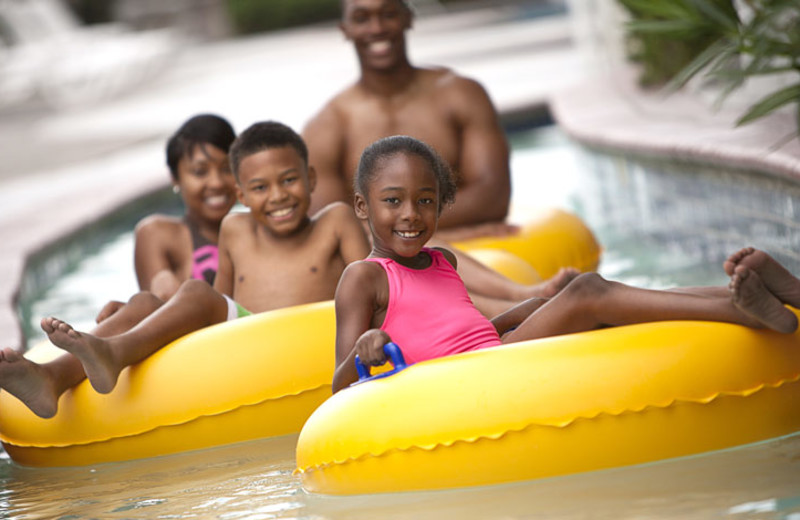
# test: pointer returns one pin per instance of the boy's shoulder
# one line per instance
(335, 213)
(337, 209)
(236, 223)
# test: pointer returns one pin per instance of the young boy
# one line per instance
(271, 257)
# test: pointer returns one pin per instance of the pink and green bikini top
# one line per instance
(430, 314)
(205, 255)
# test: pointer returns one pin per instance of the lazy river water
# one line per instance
(661, 225)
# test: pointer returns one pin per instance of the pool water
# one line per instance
(683, 242)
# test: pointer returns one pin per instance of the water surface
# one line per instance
(661, 225)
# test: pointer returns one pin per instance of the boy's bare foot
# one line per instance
(776, 278)
(28, 382)
(93, 353)
(553, 286)
(752, 297)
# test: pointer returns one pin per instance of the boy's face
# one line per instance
(401, 206)
(377, 30)
(276, 185)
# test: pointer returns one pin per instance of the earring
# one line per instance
(176, 189)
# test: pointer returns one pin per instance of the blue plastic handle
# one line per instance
(393, 354)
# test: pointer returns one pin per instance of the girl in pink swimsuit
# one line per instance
(412, 295)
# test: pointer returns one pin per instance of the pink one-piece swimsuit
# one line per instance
(430, 314)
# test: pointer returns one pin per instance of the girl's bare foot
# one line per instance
(94, 353)
(776, 278)
(28, 382)
(553, 286)
(752, 297)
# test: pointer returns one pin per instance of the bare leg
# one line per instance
(490, 307)
(590, 302)
(40, 386)
(483, 281)
(752, 297)
(776, 278)
(194, 306)
(29, 382)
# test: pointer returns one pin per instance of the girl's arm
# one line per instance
(356, 301)
(516, 314)
(155, 270)
(223, 281)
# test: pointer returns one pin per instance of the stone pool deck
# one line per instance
(63, 170)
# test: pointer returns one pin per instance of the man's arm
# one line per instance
(324, 139)
(483, 164)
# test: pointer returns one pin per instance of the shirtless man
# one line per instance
(451, 113)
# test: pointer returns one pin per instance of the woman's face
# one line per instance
(207, 185)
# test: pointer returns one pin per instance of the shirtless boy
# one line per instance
(451, 113)
(271, 257)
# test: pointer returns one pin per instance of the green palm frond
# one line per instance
(677, 40)
(769, 104)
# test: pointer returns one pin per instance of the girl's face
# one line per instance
(401, 206)
(207, 186)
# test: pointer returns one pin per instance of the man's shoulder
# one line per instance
(337, 105)
(443, 78)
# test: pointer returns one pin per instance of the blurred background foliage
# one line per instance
(249, 16)
(663, 37)
(252, 16)
(725, 42)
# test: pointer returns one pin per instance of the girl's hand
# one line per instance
(369, 347)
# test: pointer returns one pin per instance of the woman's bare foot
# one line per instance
(752, 297)
(28, 382)
(776, 278)
(552, 286)
(94, 353)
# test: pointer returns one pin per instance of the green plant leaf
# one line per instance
(728, 20)
(669, 10)
(769, 104)
(703, 60)
(664, 27)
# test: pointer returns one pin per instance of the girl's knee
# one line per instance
(588, 284)
(145, 300)
(196, 290)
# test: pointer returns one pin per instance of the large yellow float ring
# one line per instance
(254, 377)
(555, 406)
(552, 239)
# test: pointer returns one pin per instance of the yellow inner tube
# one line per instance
(552, 239)
(255, 377)
(251, 378)
(555, 406)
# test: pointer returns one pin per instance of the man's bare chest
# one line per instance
(431, 127)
